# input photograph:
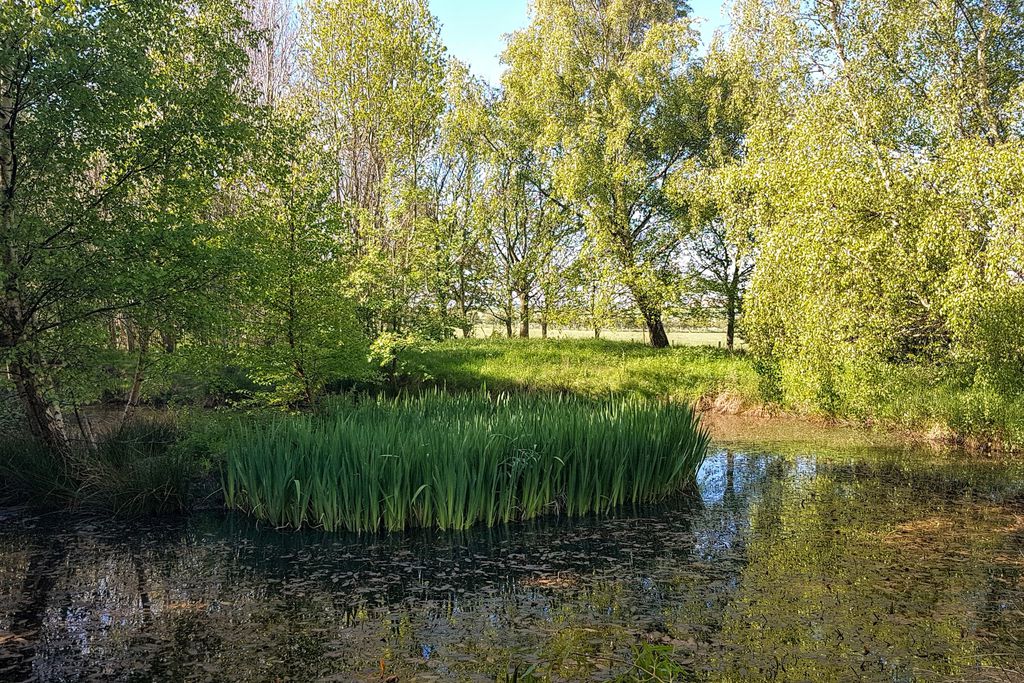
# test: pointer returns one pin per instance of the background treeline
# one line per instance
(266, 201)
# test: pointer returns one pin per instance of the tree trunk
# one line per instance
(597, 332)
(129, 331)
(650, 309)
(732, 305)
(170, 341)
(131, 401)
(464, 325)
(543, 329)
(656, 329)
(45, 418)
(524, 316)
(508, 327)
(85, 429)
(730, 325)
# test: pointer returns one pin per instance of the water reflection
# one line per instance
(850, 564)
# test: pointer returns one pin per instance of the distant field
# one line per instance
(695, 338)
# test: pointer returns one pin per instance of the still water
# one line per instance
(797, 561)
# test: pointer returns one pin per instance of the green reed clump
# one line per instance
(454, 460)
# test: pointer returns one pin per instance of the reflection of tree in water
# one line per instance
(855, 573)
(27, 618)
(214, 588)
(793, 568)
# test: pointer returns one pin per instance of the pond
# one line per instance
(821, 559)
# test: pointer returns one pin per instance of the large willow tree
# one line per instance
(616, 94)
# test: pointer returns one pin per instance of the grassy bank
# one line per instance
(455, 460)
(589, 367)
(925, 402)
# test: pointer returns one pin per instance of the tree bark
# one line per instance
(45, 418)
(732, 305)
(524, 316)
(543, 329)
(131, 401)
(170, 341)
(655, 328)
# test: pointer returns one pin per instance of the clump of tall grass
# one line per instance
(452, 461)
(139, 469)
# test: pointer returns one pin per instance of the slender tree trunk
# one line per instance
(129, 333)
(524, 316)
(85, 429)
(138, 377)
(730, 326)
(597, 332)
(543, 328)
(293, 342)
(45, 418)
(732, 305)
(508, 327)
(170, 341)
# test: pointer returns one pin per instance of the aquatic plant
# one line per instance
(455, 460)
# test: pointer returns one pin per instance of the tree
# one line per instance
(882, 127)
(375, 71)
(719, 273)
(617, 88)
(299, 326)
(459, 262)
(117, 120)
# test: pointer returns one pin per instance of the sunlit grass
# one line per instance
(452, 461)
(589, 367)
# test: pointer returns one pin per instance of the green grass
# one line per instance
(139, 470)
(686, 338)
(931, 402)
(455, 460)
(589, 368)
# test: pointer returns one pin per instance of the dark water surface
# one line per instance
(797, 562)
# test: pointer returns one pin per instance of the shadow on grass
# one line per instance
(586, 367)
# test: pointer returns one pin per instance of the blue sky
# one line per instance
(473, 29)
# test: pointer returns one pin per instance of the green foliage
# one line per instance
(452, 461)
(197, 209)
(119, 119)
(885, 194)
(655, 664)
(618, 101)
